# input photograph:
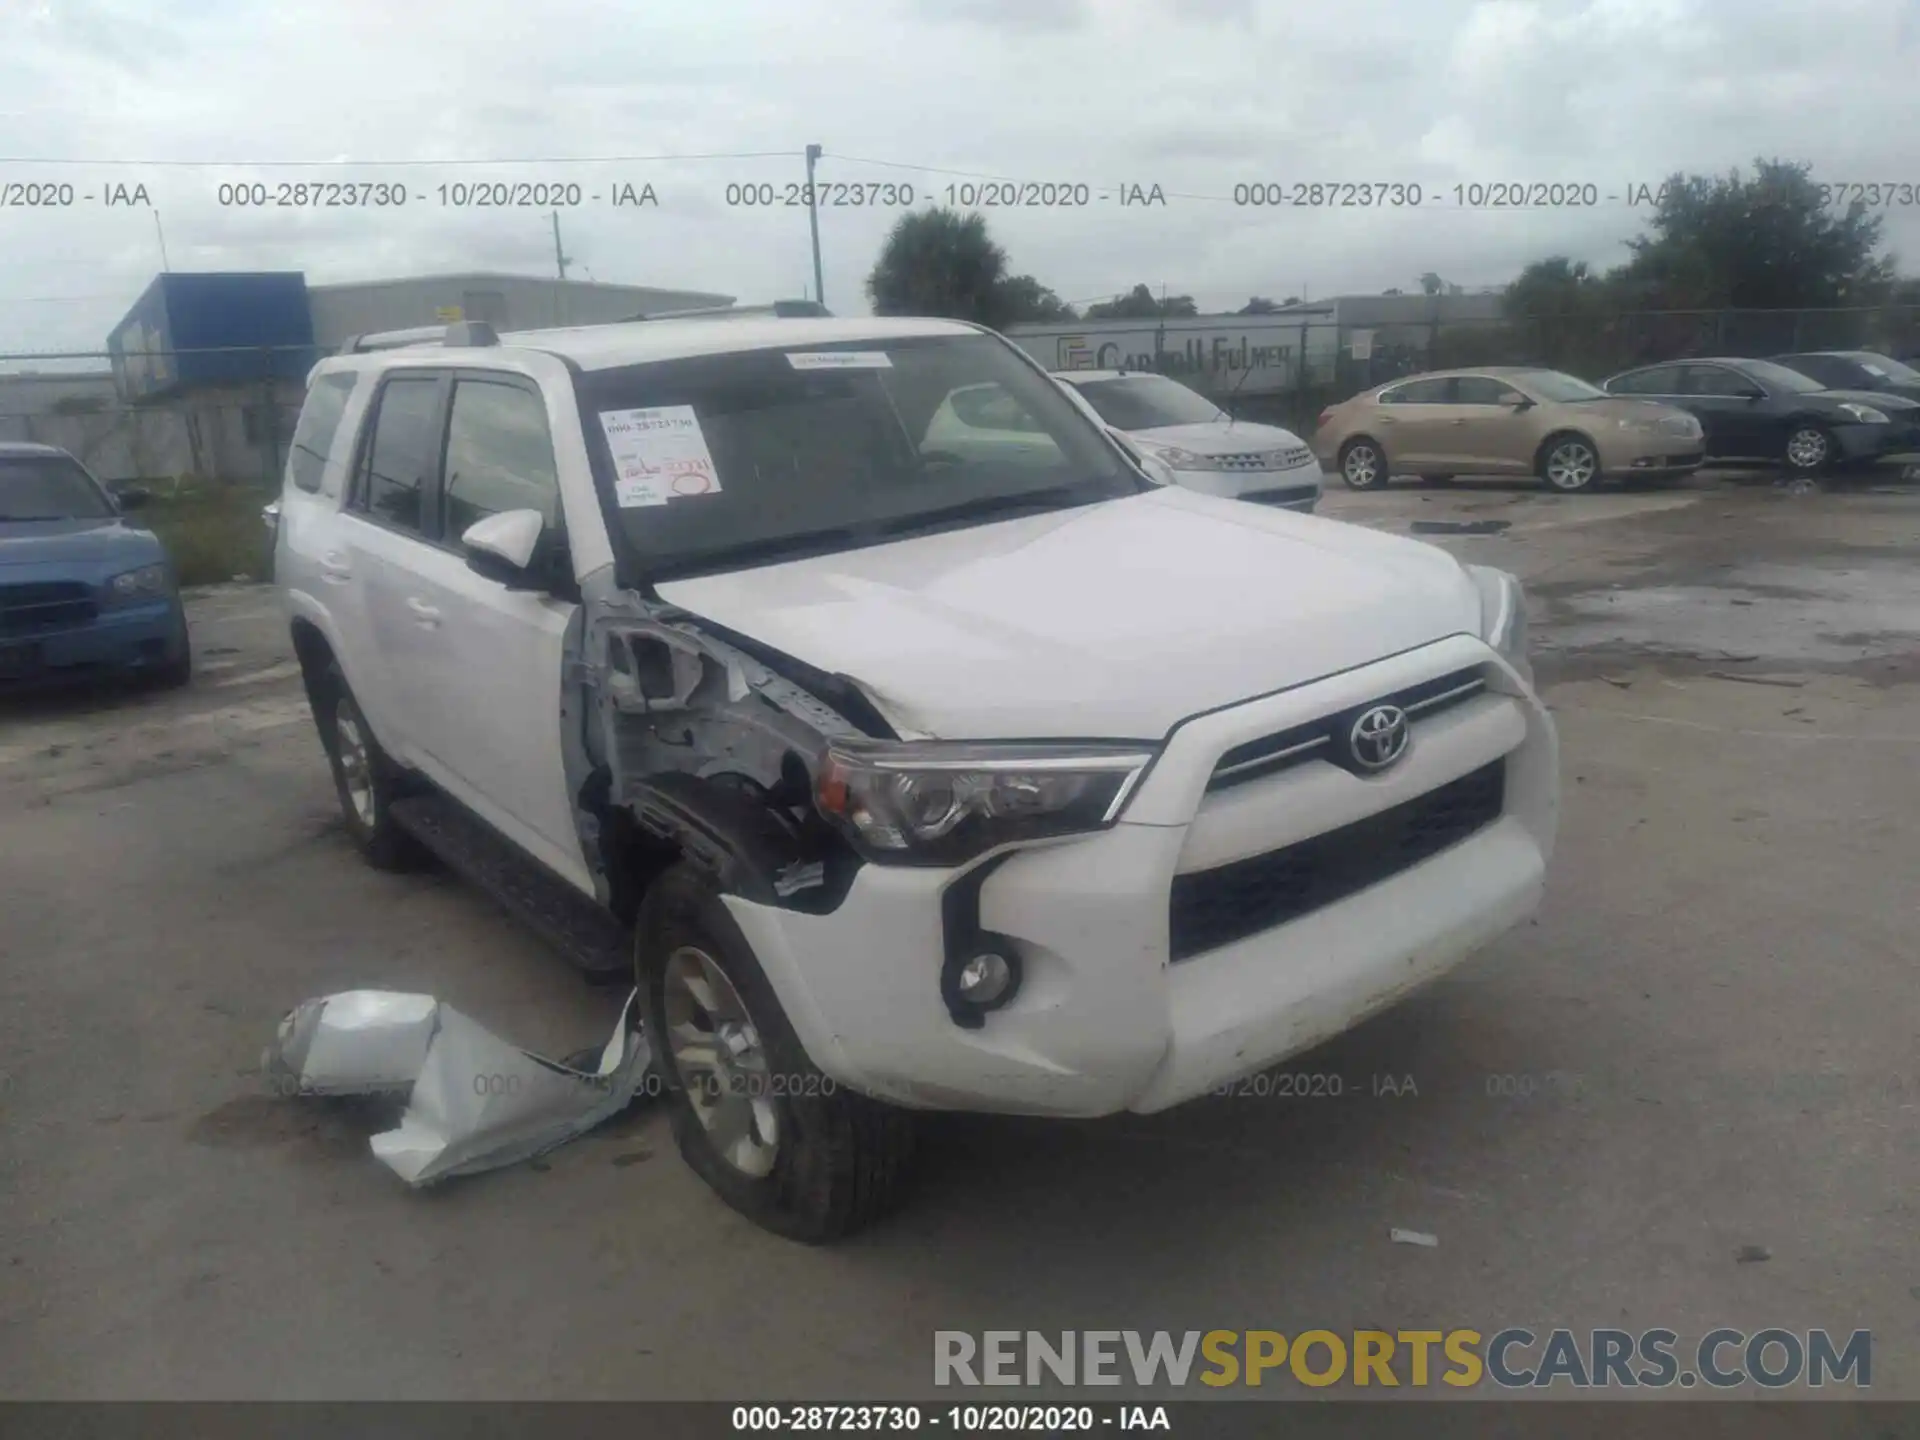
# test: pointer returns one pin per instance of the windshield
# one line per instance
(49, 487)
(719, 461)
(1779, 377)
(1146, 402)
(1558, 385)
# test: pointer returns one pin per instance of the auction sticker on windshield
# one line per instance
(839, 360)
(659, 454)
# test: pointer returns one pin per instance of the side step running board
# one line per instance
(574, 925)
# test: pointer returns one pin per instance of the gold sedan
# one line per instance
(1504, 420)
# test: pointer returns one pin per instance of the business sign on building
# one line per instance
(1247, 355)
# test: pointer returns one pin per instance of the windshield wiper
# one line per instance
(1053, 497)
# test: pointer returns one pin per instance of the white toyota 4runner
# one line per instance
(907, 773)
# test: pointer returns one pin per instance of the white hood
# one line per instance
(1114, 620)
(1220, 438)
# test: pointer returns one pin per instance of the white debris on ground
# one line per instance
(1413, 1237)
(474, 1102)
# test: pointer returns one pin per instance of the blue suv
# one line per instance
(82, 592)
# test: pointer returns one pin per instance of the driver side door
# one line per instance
(488, 686)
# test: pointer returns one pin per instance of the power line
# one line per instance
(395, 164)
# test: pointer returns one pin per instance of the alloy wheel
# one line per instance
(356, 766)
(718, 1055)
(1806, 449)
(1361, 467)
(1571, 465)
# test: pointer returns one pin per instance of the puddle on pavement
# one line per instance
(1770, 611)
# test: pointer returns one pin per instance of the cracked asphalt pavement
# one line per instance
(1701, 1053)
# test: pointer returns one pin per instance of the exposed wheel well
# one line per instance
(313, 652)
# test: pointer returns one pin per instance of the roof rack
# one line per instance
(781, 309)
(461, 334)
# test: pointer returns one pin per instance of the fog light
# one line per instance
(985, 978)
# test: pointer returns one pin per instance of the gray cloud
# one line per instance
(1196, 95)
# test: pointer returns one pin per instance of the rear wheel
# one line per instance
(780, 1142)
(1569, 464)
(364, 778)
(1363, 465)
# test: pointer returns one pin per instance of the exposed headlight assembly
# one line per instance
(1865, 414)
(149, 582)
(943, 803)
(1503, 616)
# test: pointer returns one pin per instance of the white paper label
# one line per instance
(659, 454)
(839, 360)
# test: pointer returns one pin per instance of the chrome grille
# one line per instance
(1282, 459)
(1319, 739)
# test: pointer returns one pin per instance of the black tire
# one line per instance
(178, 671)
(1809, 448)
(1569, 464)
(842, 1160)
(1363, 464)
(383, 844)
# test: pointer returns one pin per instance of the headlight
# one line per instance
(1185, 459)
(1640, 427)
(147, 583)
(1503, 616)
(939, 803)
(1865, 414)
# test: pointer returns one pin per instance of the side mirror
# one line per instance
(270, 517)
(1753, 394)
(133, 497)
(1516, 400)
(503, 548)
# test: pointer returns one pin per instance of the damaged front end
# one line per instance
(685, 741)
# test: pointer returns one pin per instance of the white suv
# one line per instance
(907, 773)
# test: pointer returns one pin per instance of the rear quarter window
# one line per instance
(317, 430)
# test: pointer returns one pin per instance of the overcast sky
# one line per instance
(1196, 96)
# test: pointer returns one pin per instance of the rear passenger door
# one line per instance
(1413, 423)
(486, 663)
(383, 535)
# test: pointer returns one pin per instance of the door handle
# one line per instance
(334, 568)
(426, 614)
(1456, 422)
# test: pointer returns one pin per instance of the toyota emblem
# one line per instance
(1379, 737)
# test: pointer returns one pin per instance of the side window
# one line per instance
(1478, 390)
(1714, 380)
(499, 455)
(1833, 373)
(314, 434)
(1417, 392)
(1656, 380)
(403, 452)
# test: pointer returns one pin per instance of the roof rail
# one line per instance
(460, 334)
(782, 309)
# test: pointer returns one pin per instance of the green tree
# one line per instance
(1431, 284)
(1258, 305)
(1771, 242)
(1021, 297)
(939, 262)
(1140, 303)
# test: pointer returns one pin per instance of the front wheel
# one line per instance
(776, 1139)
(1809, 449)
(1363, 465)
(1569, 464)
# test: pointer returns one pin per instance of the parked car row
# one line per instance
(1807, 412)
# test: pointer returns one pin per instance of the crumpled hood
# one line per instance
(1115, 620)
(1219, 438)
(75, 542)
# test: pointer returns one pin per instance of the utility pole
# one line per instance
(559, 255)
(165, 265)
(813, 222)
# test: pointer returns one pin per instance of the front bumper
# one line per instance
(1874, 442)
(1297, 488)
(1106, 1020)
(129, 638)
